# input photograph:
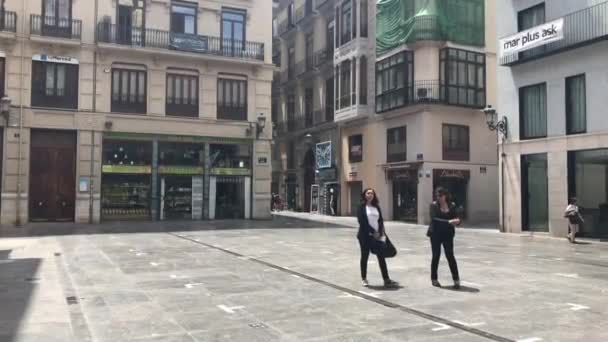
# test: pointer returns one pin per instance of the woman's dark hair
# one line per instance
(374, 201)
(441, 191)
(572, 200)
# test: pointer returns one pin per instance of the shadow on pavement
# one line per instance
(384, 288)
(462, 289)
(17, 282)
(125, 227)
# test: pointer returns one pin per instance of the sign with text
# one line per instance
(534, 37)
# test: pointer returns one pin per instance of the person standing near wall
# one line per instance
(574, 217)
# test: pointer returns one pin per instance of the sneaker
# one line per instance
(390, 283)
(365, 283)
(456, 284)
(435, 283)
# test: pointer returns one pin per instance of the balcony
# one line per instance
(303, 122)
(430, 92)
(323, 56)
(53, 27)
(196, 44)
(8, 24)
(304, 67)
(581, 28)
(304, 10)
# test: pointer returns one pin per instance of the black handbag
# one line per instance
(384, 249)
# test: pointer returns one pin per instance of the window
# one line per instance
(230, 156)
(394, 81)
(57, 13)
(308, 111)
(363, 80)
(2, 77)
(129, 91)
(54, 85)
(231, 99)
(330, 36)
(309, 51)
(329, 100)
(183, 18)
(233, 31)
(170, 153)
(463, 78)
(131, 22)
(396, 147)
(291, 62)
(291, 156)
(346, 22)
(182, 95)
(345, 90)
(455, 142)
(274, 111)
(533, 111)
(576, 105)
(291, 112)
(355, 148)
(528, 19)
(363, 18)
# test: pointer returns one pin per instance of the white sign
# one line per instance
(55, 59)
(534, 37)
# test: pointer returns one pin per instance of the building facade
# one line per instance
(306, 165)
(423, 127)
(554, 99)
(131, 109)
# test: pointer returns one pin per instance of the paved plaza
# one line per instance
(293, 280)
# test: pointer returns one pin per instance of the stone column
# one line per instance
(154, 195)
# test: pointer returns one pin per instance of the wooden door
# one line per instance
(52, 176)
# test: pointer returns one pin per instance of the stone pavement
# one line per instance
(216, 281)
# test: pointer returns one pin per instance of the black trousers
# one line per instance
(365, 256)
(448, 248)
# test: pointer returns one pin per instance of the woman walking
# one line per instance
(574, 217)
(444, 218)
(371, 226)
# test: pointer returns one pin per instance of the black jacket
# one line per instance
(440, 227)
(365, 229)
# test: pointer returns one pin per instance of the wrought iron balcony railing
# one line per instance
(55, 27)
(430, 92)
(583, 27)
(207, 45)
(8, 21)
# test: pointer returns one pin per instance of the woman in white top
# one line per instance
(371, 226)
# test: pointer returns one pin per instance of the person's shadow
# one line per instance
(385, 288)
(462, 288)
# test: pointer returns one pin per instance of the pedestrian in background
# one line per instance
(574, 217)
(371, 226)
(444, 218)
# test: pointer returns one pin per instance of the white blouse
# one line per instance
(373, 216)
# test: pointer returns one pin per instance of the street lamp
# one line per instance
(260, 124)
(5, 108)
(501, 126)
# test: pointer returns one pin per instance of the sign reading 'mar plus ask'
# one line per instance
(529, 39)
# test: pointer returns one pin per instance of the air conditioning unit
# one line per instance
(423, 94)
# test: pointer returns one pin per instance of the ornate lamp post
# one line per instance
(501, 126)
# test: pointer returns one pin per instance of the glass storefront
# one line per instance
(534, 193)
(139, 185)
(588, 182)
(126, 180)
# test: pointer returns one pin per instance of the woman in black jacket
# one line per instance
(371, 226)
(444, 218)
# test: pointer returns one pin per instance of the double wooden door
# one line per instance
(52, 176)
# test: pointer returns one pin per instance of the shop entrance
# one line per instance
(176, 197)
(457, 183)
(405, 200)
(332, 199)
(535, 190)
(52, 176)
(230, 198)
(309, 178)
(355, 189)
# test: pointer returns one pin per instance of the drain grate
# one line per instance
(57, 254)
(72, 300)
(258, 325)
(31, 280)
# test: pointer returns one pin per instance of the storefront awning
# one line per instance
(401, 170)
